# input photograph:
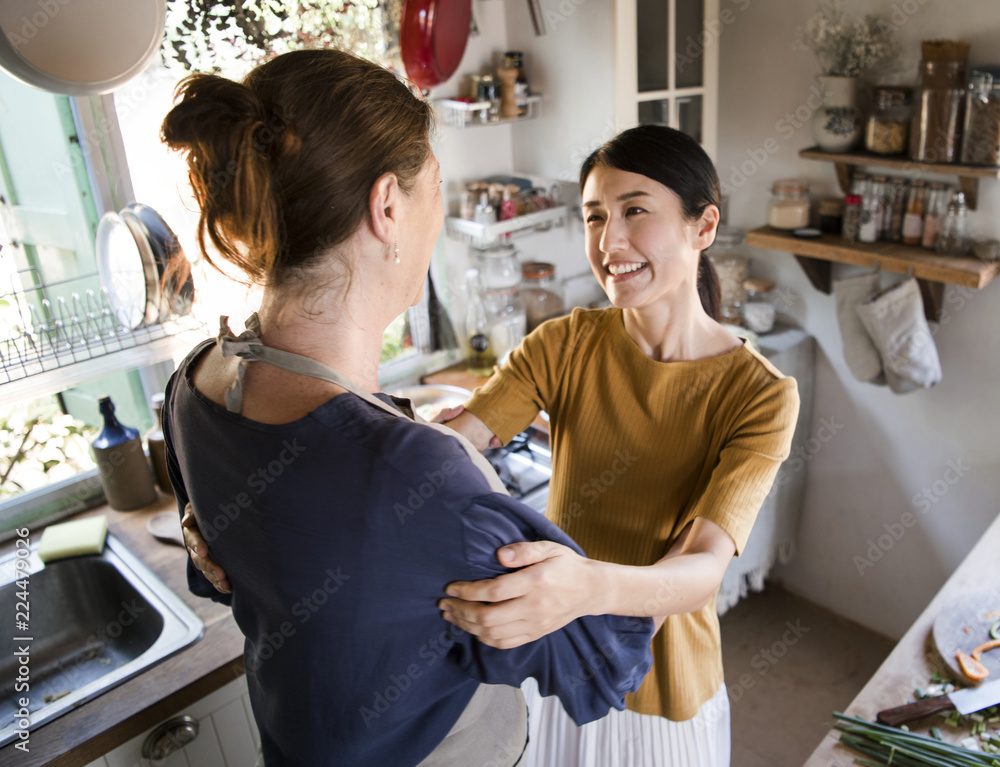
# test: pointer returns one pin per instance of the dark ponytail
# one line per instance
(677, 161)
(709, 290)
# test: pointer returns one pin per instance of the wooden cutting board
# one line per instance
(964, 625)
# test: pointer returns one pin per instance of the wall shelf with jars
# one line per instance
(847, 164)
(471, 114)
(932, 271)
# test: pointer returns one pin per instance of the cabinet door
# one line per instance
(667, 66)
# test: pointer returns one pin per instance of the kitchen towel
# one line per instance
(895, 321)
(859, 350)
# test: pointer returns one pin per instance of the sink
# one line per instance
(94, 622)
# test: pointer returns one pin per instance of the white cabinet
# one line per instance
(227, 735)
(667, 65)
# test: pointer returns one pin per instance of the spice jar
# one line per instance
(889, 124)
(541, 294)
(852, 217)
(789, 204)
(731, 267)
(981, 142)
(831, 215)
(954, 237)
(916, 208)
(937, 207)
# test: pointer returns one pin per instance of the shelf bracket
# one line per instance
(820, 274)
(933, 295)
(844, 172)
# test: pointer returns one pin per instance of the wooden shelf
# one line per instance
(931, 270)
(846, 162)
(888, 256)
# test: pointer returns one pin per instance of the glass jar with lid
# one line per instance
(498, 267)
(888, 126)
(981, 137)
(540, 293)
(731, 266)
(789, 204)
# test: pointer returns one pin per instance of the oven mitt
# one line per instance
(895, 321)
(859, 351)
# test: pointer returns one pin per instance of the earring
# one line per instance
(396, 251)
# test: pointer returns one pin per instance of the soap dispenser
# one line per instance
(121, 463)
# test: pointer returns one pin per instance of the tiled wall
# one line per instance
(227, 735)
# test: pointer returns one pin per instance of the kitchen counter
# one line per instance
(115, 717)
(909, 666)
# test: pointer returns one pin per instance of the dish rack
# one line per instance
(58, 334)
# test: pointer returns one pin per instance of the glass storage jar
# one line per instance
(731, 267)
(498, 267)
(789, 204)
(981, 137)
(888, 126)
(936, 130)
(540, 293)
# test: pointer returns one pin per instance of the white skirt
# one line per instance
(625, 738)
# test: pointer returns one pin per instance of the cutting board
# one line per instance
(950, 635)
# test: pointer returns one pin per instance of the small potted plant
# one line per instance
(846, 49)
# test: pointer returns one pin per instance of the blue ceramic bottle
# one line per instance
(121, 463)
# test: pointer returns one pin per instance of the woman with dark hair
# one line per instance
(666, 431)
(338, 516)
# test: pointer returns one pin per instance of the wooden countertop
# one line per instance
(115, 717)
(909, 666)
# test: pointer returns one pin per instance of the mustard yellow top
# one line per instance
(640, 448)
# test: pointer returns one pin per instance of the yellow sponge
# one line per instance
(71, 539)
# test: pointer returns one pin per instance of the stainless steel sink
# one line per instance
(94, 622)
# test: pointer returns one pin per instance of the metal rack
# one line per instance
(59, 334)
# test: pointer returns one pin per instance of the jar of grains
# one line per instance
(981, 137)
(731, 267)
(789, 204)
(888, 126)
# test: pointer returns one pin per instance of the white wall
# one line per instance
(886, 448)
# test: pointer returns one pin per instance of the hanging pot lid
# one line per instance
(79, 48)
(432, 39)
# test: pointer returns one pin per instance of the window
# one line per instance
(666, 62)
(59, 172)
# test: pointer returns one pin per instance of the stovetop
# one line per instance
(525, 465)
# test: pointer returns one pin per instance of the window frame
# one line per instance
(108, 174)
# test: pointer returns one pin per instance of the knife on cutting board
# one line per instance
(967, 701)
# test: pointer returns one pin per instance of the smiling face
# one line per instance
(639, 244)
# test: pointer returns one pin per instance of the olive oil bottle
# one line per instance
(480, 357)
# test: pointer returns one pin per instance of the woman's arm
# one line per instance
(558, 586)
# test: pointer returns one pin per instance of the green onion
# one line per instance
(905, 749)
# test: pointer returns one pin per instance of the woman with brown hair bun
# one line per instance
(339, 517)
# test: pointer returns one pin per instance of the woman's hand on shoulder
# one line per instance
(555, 587)
(198, 549)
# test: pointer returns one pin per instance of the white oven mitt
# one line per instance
(895, 321)
(859, 351)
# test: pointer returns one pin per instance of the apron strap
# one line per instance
(249, 348)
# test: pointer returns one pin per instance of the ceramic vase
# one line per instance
(836, 125)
